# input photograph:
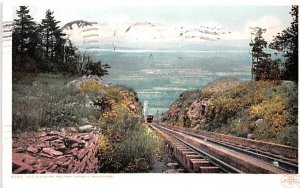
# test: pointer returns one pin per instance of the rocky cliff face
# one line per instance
(190, 108)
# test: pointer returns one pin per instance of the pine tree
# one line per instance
(259, 57)
(24, 39)
(70, 58)
(52, 42)
(287, 43)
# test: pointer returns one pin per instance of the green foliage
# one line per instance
(88, 66)
(263, 67)
(128, 146)
(23, 40)
(289, 136)
(268, 69)
(46, 101)
(287, 42)
(96, 68)
(44, 48)
(237, 110)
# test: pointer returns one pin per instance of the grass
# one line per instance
(46, 100)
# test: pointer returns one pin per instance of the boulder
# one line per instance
(49, 138)
(42, 134)
(52, 152)
(53, 133)
(86, 137)
(73, 130)
(86, 128)
(259, 122)
(32, 149)
(18, 150)
(61, 147)
(172, 165)
(250, 136)
(23, 158)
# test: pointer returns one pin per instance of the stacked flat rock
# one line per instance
(64, 151)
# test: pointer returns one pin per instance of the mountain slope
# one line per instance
(263, 110)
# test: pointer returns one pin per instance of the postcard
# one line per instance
(171, 93)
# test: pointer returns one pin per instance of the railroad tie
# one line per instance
(184, 157)
(188, 160)
(178, 151)
(184, 153)
(196, 163)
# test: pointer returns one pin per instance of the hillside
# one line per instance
(49, 100)
(188, 110)
(262, 110)
(44, 104)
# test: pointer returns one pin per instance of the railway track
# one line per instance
(217, 153)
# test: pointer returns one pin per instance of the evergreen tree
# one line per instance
(46, 45)
(52, 42)
(259, 57)
(70, 58)
(24, 40)
(97, 68)
(287, 42)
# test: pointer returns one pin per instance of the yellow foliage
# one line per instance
(118, 112)
(272, 111)
(266, 84)
(90, 85)
(237, 110)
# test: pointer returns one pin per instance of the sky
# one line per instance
(166, 24)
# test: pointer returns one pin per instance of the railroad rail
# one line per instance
(205, 152)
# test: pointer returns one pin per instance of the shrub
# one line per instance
(289, 136)
(127, 147)
(90, 85)
(272, 111)
(236, 111)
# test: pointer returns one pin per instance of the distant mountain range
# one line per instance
(222, 45)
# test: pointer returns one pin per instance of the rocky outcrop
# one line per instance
(220, 85)
(190, 108)
(63, 151)
(178, 113)
(197, 111)
(132, 101)
(77, 83)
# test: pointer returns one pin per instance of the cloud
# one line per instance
(113, 31)
(271, 23)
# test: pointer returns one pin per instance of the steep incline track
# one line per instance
(227, 154)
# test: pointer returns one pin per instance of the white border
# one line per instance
(1, 146)
(115, 180)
